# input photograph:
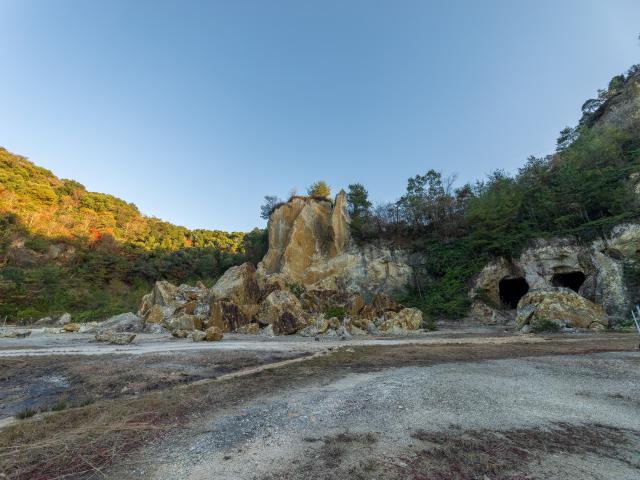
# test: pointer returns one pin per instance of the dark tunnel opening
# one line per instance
(512, 290)
(572, 280)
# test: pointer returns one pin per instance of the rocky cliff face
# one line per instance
(313, 280)
(597, 272)
(310, 244)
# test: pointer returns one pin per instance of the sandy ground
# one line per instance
(460, 403)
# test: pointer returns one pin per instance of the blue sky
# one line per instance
(196, 110)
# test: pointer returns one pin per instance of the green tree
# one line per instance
(319, 189)
(358, 200)
(270, 204)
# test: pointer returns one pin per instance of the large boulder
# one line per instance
(282, 310)
(545, 309)
(237, 285)
(164, 293)
(71, 327)
(407, 319)
(213, 334)
(125, 322)
(229, 316)
(183, 322)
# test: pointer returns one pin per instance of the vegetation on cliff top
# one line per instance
(588, 186)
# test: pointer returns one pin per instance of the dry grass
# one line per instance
(86, 441)
(504, 455)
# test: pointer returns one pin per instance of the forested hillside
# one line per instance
(63, 248)
(590, 184)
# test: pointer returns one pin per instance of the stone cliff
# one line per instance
(313, 280)
(310, 244)
(561, 268)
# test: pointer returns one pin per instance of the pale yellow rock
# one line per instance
(164, 293)
(155, 314)
(282, 310)
(238, 285)
(250, 329)
(184, 322)
(559, 307)
(71, 327)
(213, 334)
(405, 319)
(310, 245)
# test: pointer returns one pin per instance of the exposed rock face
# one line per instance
(238, 285)
(312, 269)
(562, 308)
(282, 310)
(595, 271)
(310, 245)
(404, 320)
(125, 322)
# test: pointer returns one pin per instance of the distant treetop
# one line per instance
(319, 189)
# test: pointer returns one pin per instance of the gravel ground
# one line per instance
(285, 435)
(43, 344)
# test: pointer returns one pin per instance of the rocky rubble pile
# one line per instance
(236, 303)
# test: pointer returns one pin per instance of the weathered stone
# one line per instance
(404, 320)
(228, 316)
(343, 333)
(156, 314)
(146, 305)
(14, 333)
(250, 329)
(154, 328)
(317, 326)
(198, 336)
(310, 245)
(184, 322)
(282, 310)
(213, 334)
(89, 327)
(115, 338)
(355, 305)
(384, 303)
(561, 307)
(372, 329)
(180, 333)
(71, 327)
(487, 315)
(164, 293)
(125, 322)
(267, 331)
(237, 285)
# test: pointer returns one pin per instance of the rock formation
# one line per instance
(310, 244)
(313, 280)
(596, 272)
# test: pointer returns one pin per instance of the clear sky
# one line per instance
(194, 110)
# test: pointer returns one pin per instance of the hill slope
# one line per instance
(63, 248)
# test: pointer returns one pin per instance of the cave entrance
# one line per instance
(572, 280)
(512, 289)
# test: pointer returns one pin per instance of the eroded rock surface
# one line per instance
(598, 272)
(560, 308)
(310, 244)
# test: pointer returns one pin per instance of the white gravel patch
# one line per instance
(267, 434)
